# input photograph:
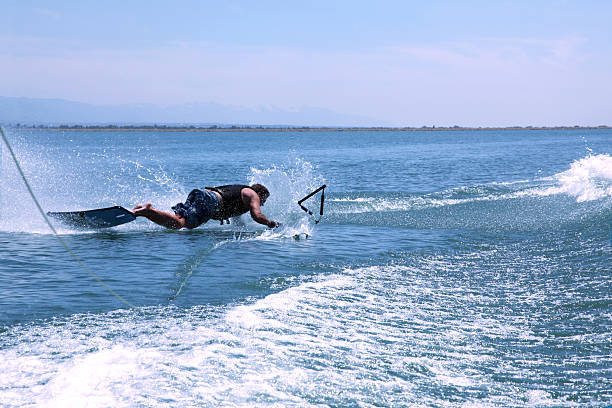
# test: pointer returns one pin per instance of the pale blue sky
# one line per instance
(472, 63)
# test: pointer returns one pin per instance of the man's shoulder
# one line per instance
(247, 191)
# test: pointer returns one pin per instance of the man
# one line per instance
(217, 203)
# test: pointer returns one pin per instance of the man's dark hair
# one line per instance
(261, 191)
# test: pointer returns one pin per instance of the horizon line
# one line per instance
(272, 128)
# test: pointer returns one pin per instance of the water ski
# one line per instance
(94, 219)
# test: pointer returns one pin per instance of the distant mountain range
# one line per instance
(35, 111)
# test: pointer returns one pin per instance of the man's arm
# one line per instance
(250, 198)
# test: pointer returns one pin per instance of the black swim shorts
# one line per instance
(199, 207)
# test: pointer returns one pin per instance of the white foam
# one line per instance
(288, 182)
(94, 377)
(380, 335)
(539, 398)
(587, 179)
(351, 200)
(71, 180)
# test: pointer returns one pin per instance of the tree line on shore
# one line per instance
(280, 127)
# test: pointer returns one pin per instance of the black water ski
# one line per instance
(94, 219)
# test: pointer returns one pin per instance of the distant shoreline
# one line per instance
(162, 128)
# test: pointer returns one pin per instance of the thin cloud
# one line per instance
(47, 13)
(500, 52)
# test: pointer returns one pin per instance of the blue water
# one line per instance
(452, 268)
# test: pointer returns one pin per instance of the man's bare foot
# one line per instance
(142, 210)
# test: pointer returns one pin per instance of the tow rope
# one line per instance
(52, 228)
(322, 190)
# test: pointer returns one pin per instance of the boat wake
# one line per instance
(582, 190)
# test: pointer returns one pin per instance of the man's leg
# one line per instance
(163, 218)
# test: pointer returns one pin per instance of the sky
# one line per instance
(400, 63)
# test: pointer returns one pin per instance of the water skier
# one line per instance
(217, 203)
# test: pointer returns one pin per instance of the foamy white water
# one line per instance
(368, 332)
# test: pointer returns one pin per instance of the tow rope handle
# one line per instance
(322, 189)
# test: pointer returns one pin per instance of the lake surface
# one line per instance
(451, 268)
